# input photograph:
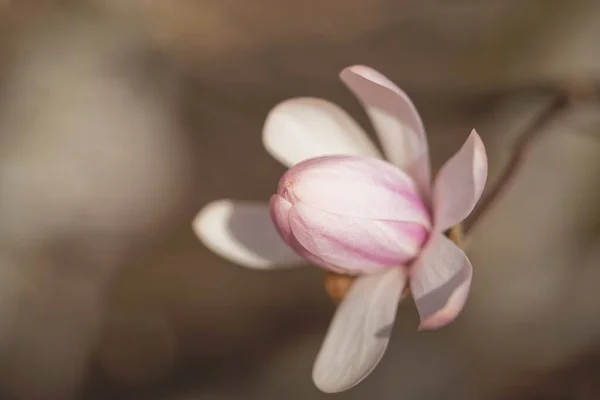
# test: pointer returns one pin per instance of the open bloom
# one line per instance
(340, 206)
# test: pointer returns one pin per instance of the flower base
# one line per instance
(337, 285)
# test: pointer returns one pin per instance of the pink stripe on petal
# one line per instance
(356, 245)
(396, 121)
(440, 282)
(313, 259)
(357, 187)
(459, 184)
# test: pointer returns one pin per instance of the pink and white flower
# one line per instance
(342, 207)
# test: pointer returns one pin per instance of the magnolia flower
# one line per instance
(342, 207)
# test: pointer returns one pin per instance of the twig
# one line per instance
(521, 149)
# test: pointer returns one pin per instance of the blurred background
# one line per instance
(120, 119)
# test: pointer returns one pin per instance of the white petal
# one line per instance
(396, 121)
(303, 128)
(440, 282)
(360, 331)
(244, 233)
(459, 184)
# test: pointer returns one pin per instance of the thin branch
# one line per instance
(518, 156)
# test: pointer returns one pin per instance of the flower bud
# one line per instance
(351, 214)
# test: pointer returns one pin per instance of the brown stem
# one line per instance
(519, 153)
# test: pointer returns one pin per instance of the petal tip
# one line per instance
(269, 128)
(327, 382)
(306, 127)
(367, 73)
(277, 117)
(433, 323)
(480, 159)
(450, 312)
(477, 141)
(204, 218)
(357, 69)
(460, 183)
(440, 283)
(243, 233)
(323, 384)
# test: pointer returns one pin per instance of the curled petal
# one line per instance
(396, 121)
(357, 187)
(356, 245)
(303, 128)
(243, 233)
(440, 282)
(360, 331)
(280, 214)
(459, 184)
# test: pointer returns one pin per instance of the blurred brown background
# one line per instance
(119, 119)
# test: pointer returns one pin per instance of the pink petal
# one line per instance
(280, 213)
(356, 187)
(440, 282)
(243, 233)
(303, 128)
(360, 331)
(396, 121)
(459, 184)
(356, 245)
